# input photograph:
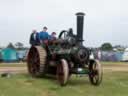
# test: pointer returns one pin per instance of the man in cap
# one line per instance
(43, 35)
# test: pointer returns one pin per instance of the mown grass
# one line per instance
(114, 84)
(113, 63)
(23, 64)
(20, 64)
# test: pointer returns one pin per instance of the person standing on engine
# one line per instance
(53, 36)
(34, 38)
(44, 36)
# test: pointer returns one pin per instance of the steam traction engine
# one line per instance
(65, 56)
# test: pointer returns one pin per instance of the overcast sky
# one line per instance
(105, 20)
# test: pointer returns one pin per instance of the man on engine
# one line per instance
(44, 36)
(34, 38)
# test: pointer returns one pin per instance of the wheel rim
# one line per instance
(62, 72)
(95, 75)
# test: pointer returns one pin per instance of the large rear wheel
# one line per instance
(36, 61)
(62, 72)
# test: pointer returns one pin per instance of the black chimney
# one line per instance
(80, 23)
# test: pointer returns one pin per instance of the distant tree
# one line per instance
(106, 47)
(19, 45)
(10, 45)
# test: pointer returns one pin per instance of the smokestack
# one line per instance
(80, 23)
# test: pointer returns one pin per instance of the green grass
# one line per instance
(113, 63)
(114, 84)
(12, 64)
(24, 64)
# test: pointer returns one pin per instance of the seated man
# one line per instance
(44, 36)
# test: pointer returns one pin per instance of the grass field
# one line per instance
(114, 63)
(114, 84)
(12, 64)
(23, 64)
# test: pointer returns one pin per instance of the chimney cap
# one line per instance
(80, 14)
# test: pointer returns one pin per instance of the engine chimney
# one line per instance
(80, 23)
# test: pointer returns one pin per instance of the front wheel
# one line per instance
(95, 72)
(62, 72)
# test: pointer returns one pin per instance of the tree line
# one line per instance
(17, 46)
(105, 46)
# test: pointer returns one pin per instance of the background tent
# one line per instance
(125, 55)
(9, 55)
(110, 55)
(21, 54)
